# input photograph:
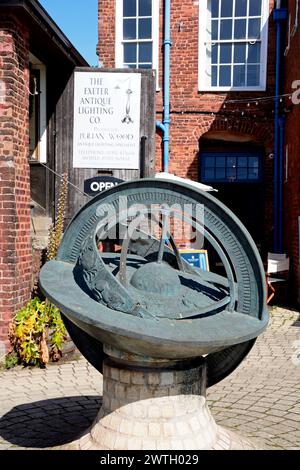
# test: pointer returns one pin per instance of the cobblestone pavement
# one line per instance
(44, 408)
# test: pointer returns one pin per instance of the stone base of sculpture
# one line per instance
(155, 405)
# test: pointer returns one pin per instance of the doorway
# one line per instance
(237, 174)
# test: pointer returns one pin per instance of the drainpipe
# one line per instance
(165, 125)
(160, 126)
(279, 15)
(281, 179)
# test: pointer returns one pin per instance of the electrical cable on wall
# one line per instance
(68, 181)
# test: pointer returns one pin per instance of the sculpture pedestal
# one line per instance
(151, 404)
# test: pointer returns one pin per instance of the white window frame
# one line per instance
(42, 144)
(202, 61)
(155, 36)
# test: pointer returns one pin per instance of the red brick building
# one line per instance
(36, 61)
(222, 75)
(221, 51)
(292, 145)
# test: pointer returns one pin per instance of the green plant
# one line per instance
(11, 360)
(56, 229)
(37, 333)
(58, 333)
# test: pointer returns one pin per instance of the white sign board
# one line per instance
(106, 120)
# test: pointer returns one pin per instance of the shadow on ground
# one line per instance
(49, 423)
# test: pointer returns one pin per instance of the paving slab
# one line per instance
(46, 408)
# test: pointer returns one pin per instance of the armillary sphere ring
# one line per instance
(146, 299)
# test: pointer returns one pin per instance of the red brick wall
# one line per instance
(184, 64)
(15, 246)
(292, 139)
(191, 111)
(106, 32)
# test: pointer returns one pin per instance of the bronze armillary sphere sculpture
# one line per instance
(145, 299)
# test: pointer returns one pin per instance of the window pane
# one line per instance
(145, 27)
(253, 173)
(242, 173)
(220, 162)
(214, 54)
(209, 161)
(130, 66)
(214, 76)
(253, 72)
(231, 168)
(240, 29)
(242, 161)
(209, 173)
(231, 162)
(145, 7)
(226, 8)
(254, 28)
(225, 53)
(145, 66)
(226, 29)
(231, 173)
(225, 75)
(239, 75)
(129, 29)
(220, 173)
(253, 53)
(214, 29)
(240, 53)
(253, 162)
(214, 8)
(241, 8)
(145, 52)
(130, 52)
(255, 8)
(129, 7)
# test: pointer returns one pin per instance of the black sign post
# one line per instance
(96, 185)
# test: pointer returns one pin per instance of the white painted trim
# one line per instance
(43, 115)
(155, 33)
(155, 36)
(42, 145)
(202, 30)
(218, 89)
(264, 44)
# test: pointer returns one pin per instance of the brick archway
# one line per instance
(239, 131)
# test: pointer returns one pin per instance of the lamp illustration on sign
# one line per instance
(127, 119)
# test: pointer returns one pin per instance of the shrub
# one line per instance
(37, 333)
